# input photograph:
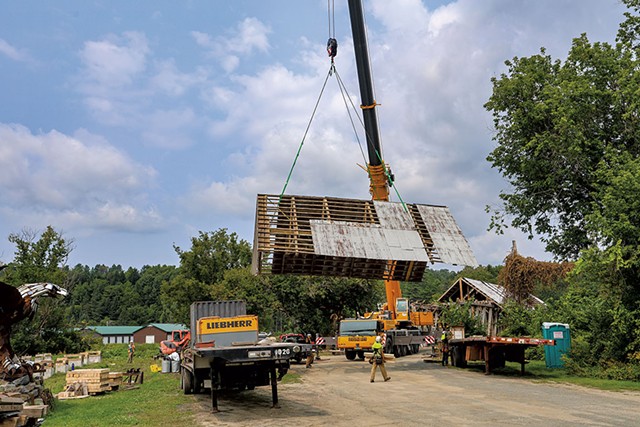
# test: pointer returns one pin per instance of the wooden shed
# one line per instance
(488, 299)
(154, 333)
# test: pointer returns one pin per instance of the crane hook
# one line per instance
(332, 48)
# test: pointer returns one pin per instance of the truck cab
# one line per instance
(358, 335)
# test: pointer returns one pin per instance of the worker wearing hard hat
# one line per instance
(310, 355)
(377, 360)
(444, 342)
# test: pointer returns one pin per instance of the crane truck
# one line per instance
(402, 329)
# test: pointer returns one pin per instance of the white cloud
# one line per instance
(249, 35)
(115, 61)
(72, 181)
(13, 53)
(168, 79)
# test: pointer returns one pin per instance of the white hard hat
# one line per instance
(378, 339)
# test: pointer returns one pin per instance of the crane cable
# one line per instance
(331, 13)
(295, 160)
(387, 172)
(332, 50)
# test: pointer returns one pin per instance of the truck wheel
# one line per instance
(187, 382)
(350, 354)
(361, 354)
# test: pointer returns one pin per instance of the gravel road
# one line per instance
(337, 392)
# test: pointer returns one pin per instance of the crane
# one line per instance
(379, 176)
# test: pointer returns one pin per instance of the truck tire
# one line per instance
(360, 354)
(350, 354)
(187, 382)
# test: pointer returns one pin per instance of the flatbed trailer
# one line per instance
(494, 351)
(227, 354)
(236, 368)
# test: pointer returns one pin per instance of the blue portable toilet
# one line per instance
(561, 333)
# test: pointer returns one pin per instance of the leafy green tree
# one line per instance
(555, 123)
(201, 267)
(434, 283)
(486, 273)
(177, 295)
(39, 257)
(42, 258)
(212, 254)
(459, 314)
(568, 141)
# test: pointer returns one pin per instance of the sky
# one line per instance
(132, 126)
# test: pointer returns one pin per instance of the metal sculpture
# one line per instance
(17, 304)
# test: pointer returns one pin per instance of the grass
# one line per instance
(156, 401)
(536, 370)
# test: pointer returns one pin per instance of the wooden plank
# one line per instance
(35, 411)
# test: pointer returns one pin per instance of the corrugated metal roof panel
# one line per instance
(168, 327)
(394, 216)
(495, 292)
(351, 240)
(450, 243)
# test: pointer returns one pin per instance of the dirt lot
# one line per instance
(337, 392)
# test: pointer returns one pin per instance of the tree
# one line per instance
(201, 267)
(432, 286)
(212, 254)
(42, 259)
(558, 124)
(568, 141)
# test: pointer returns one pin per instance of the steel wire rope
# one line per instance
(295, 160)
(332, 18)
(386, 169)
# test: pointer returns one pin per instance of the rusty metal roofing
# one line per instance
(447, 237)
(354, 238)
(348, 239)
(490, 291)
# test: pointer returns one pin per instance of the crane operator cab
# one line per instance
(402, 309)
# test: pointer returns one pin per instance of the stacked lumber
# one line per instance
(115, 380)
(87, 382)
(97, 380)
(21, 402)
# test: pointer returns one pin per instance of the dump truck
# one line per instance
(225, 352)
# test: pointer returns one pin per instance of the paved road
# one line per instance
(337, 392)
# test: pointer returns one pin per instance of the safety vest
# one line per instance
(377, 348)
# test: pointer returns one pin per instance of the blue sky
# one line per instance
(131, 126)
